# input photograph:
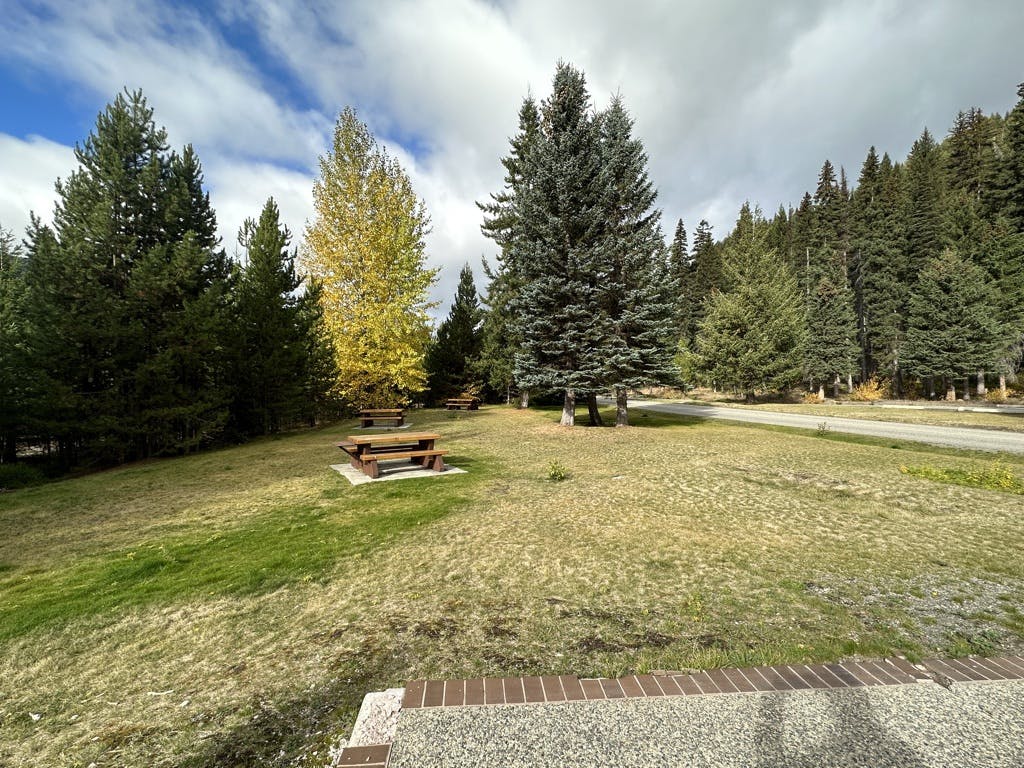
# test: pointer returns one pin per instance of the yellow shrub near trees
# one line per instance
(366, 246)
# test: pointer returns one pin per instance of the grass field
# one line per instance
(232, 608)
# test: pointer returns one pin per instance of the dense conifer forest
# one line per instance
(128, 332)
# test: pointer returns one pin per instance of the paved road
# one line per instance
(900, 726)
(955, 437)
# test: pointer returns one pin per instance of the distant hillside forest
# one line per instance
(127, 332)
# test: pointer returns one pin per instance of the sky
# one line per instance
(734, 100)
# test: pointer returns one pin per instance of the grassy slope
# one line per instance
(214, 609)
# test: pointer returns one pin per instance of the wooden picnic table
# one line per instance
(458, 403)
(365, 452)
(367, 416)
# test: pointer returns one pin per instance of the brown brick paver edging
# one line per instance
(782, 677)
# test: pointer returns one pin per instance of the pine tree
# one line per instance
(451, 358)
(503, 223)
(272, 329)
(1008, 195)
(927, 227)
(558, 311)
(681, 268)
(136, 296)
(639, 287)
(753, 335)
(707, 274)
(832, 329)
(953, 325)
(366, 247)
(16, 379)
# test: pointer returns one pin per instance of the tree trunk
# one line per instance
(1002, 385)
(821, 392)
(524, 398)
(950, 390)
(569, 409)
(982, 390)
(749, 397)
(835, 388)
(930, 383)
(849, 383)
(595, 415)
(967, 388)
(621, 408)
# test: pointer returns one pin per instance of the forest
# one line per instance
(128, 332)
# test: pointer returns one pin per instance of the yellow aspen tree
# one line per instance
(366, 248)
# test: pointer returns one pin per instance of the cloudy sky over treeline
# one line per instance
(734, 100)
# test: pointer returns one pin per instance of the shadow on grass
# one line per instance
(288, 545)
(637, 418)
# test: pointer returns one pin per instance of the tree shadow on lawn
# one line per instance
(637, 417)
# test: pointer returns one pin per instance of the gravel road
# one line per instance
(970, 438)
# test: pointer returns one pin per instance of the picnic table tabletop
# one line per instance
(392, 437)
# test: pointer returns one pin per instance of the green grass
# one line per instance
(227, 608)
(995, 476)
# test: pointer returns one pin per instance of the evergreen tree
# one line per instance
(681, 268)
(953, 325)
(640, 284)
(753, 335)
(365, 246)
(927, 224)
(1008, 195)
(832, 330)
(707, 277)
(135, 296)
(559, 317)
(273, 330)
(504, 223)
(16, 378)
(452, 356)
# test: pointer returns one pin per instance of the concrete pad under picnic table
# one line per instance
(398, 469)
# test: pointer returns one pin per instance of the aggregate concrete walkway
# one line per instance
(885, 714)
(970, 438)
(924, 725)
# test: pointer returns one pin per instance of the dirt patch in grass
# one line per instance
(282, 595)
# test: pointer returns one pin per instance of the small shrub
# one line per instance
(811, 398)
(19, 476)
(995, 396)
(994, 477)
(823, 429)
(868, 392)
(557, 472)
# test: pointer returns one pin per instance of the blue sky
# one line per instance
(734, 100)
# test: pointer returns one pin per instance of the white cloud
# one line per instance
(734, 100)
(30, 168)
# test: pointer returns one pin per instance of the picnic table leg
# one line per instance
(436, 463)
(372, 469)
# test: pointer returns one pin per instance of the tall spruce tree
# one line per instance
(753, 335)
(504, 223)
(707, 273)
(558, 309)
(451, 358)
(681, 268)
(927, 223)
(832, 329)
(639, 285)
(1008, 195)
(272, 329)
(954, 328)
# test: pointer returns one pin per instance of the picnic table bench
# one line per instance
(367, 416)
(458, 403)
(365, 452)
